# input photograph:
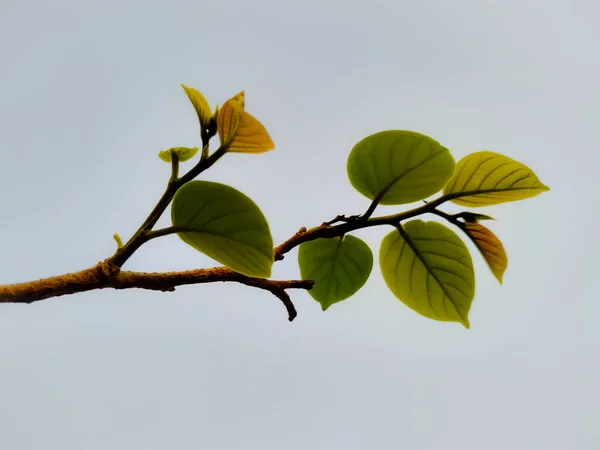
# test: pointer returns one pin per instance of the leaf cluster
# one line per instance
(426, 265)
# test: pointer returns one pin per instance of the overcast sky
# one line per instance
(90, 93)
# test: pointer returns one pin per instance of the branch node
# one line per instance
(283, 248)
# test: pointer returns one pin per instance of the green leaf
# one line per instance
(338, 266)
(184, 153)
(226, 225)
(429, 268)
(488, 178)
(397, 167)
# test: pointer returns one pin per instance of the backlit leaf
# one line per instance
(490, 247)
(239, 130)
(228, 119)
(429, 268)
(184, 153)
(398, 167)
(251, 136)
(225, 225)
(200, 104)
(487, 178)
(339, 267)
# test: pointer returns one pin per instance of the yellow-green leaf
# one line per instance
(429, 268)
(490, 247)
(201, 105)
(395, 167)
(184, 153)
(487, 178)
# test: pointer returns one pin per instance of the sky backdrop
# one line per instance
(89, 95)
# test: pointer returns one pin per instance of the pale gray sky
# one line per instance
(90, 93)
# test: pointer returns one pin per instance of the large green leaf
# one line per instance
(488, 178)
(338, 266)
(226, 225)
(397, 167)
(429, 268)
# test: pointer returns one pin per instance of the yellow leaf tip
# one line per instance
(464, 321)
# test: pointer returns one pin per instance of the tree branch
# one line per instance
(353, 223)
(105, 275)
(108, 273)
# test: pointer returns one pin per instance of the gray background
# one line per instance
(90, 93)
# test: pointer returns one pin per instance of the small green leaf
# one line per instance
(227, 226)
(397, 167)
(429, 268)
(184, 153)
(488, 178)
(338, 266)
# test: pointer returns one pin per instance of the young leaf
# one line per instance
(338, 266)
(184, 153)
(239, 130)
(397, 167)
(488, 178)
(429, 268)
(472, 217)
(228, 118)
(490, 247)
(226, 225)
(201, 105)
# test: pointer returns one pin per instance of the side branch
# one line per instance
(352, 223)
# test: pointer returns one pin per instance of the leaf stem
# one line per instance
(152, 234)
(369, 212)
(174, 166)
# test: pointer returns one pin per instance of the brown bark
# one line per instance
(105, 275)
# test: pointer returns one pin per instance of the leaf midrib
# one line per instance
(417, 253)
